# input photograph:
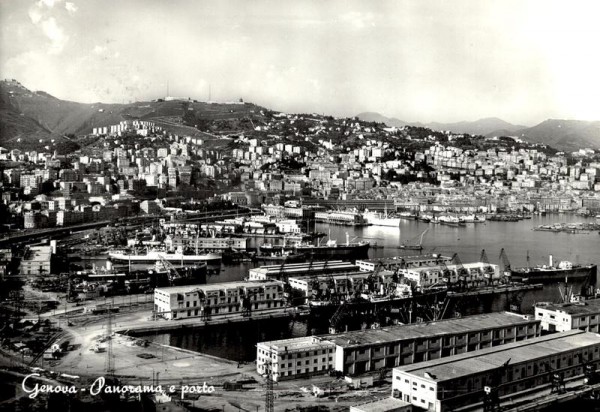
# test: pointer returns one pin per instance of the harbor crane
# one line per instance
(169, 266)
(491, 400)
(557, 379)
(463, 273)
(505, 262)
(445, 272)
(337, 317)
(487, 269)
(591, 376)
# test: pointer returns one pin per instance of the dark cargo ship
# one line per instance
(562, 272)
(331, 250)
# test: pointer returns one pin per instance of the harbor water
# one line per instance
(517, 238)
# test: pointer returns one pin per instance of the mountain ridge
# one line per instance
(562, 134)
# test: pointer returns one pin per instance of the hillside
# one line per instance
(27, 116)
(379, 118)
(568, 135)
(481, 127)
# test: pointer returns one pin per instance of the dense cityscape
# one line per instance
(302, 206)
(128, 234)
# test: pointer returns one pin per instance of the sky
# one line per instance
(418, 60)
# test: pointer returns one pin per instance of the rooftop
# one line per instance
(587, 306)
(305, 267)
(427, 329)
(407, 259)
(381, 405)
(38, 254)
(218, 286)
(294, 344)
(469, 363)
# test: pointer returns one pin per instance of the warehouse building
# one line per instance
(583, 315)
(363, 351)
(383, 405)
(467, 273)
(381, 286)
(458, 381)
(301, 269)
(217, 299)
(37, 260)
(369, 350)
(403, 262)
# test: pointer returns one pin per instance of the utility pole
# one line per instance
(110, 363)
(269, 398)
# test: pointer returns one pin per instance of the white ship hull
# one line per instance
(154, 256)
(381, 220)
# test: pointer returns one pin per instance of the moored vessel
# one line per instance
(561, 272)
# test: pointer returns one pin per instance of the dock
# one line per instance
(165, 326)
(491, 290)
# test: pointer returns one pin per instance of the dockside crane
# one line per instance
(557, 379)
(337, 317)
(463, 273)
(591, 376)
(505, 262)
(446, 273)
(487, 269)
(169, 266)
(491, 399)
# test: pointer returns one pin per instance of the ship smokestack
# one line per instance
(550, 261)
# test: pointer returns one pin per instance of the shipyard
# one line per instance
(299, 206)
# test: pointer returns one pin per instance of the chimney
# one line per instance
(550, 261)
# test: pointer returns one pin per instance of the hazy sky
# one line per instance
(418, 60)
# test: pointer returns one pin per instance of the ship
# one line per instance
(348, 250)
(562, 272)
(381, 219)
(282, 256)
(153, 256)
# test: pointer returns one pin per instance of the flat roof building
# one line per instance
(369, 350)
(457, 381)
(369, 286)
(301, 269)
(402, 262)
(218, 299)
(36, 260)
(296, 357)
(583, 315)
(383, 405)
(363, 351)
(467, 273)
